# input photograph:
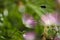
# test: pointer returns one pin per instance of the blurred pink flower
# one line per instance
(57, 17)
(28, 21)
(50, 19)
(58, 1)
(57, 37)
(29, 36)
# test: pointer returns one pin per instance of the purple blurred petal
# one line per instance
(51, 19)
(56, 38)
(28, 21)
(29, 36)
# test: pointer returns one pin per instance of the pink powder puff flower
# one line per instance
(49, 19)
(28, 21)
(29, 36)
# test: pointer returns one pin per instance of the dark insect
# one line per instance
(43, 6)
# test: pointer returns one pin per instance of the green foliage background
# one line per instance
(13, 27)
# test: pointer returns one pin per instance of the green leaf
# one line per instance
(38, 10)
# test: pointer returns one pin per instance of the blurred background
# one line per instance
(29, 20)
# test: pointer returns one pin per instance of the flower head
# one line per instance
(28, 21)
(49, 19)
(29, 36)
